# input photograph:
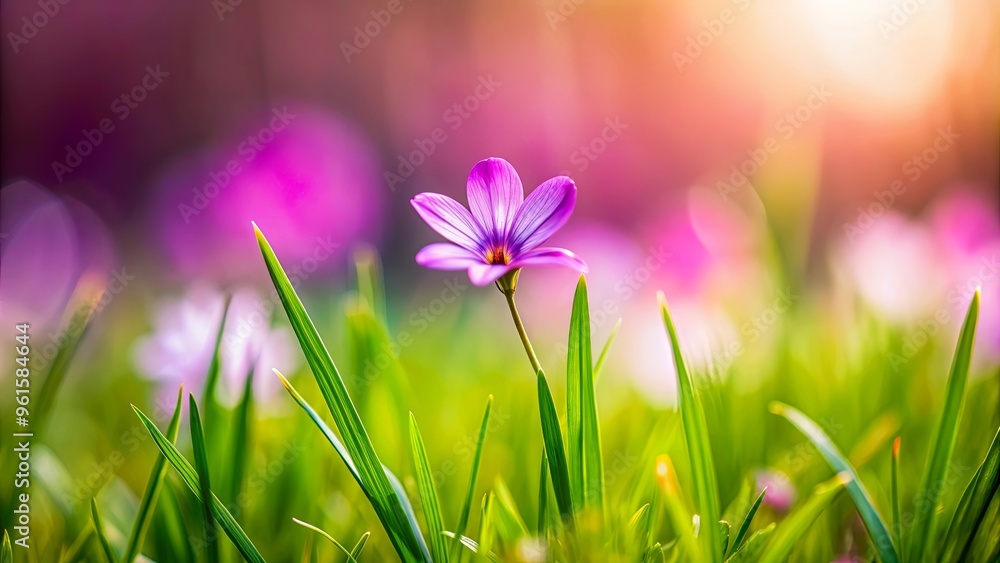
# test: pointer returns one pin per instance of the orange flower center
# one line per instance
(497, 255)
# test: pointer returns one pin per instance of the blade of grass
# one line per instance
(939, 458)
(473, 546)
(972, 508)
(241, 436)
(792, 529)
(555, 454)
(404, 502)
(204, 482)
(487, 527)
(171, 537)
(387, 504)
(751, 551)
(543, 496)
(190, 478)
(897, 522)
(428, 493)
(214, 368)
(370, 284)
(639, 525)
(699, 446)
(725, 531)
(599, 366)
(6, 553)
(582, 428)
(510, 524)
(350, 556)
(463, 519)
(109, 553)
(72, 553)
(360, 546)
(874, 439)
(145, 514)
(327, 432)
(85, 298)
(873, 521)
(677, 514)
(745, 526)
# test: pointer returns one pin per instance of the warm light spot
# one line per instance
(875, 55)
(665, 473)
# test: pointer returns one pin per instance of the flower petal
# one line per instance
(447, 256)
(485, 274)
(450, 220)
(543, 213)
(495, 195)
(550, 256)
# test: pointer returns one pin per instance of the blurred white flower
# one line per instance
(179, 350)
(894, 267)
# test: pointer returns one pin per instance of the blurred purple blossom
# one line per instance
(47, 244)
(305, 175)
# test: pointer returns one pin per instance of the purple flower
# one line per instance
(503, 231)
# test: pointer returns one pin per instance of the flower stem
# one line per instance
(521, 332)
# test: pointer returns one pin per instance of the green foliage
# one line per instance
(924, 524)
(192, 480)
(862, 499)
(152, 492)
(699, 447)
(583, 436)
(382, 494)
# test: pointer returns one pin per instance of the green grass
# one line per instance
(698, 444)
(337, 468)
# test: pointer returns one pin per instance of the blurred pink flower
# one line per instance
(306, 176)
(781, 493)
(895, 268)
(619, 274)
(968, 233)
(180, 348)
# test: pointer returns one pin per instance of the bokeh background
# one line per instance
(748, 157)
